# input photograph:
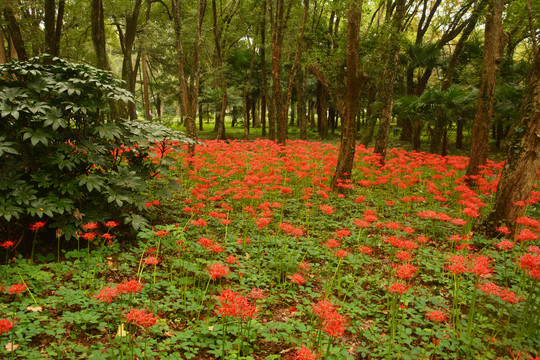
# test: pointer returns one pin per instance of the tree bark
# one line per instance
(523, 159)
(493, 46)
(300, 90)
(15, 35)
(322, 111)
(98, 35)
(388, 78)
(189, 82)
(3, 53)
(263, 68)
(348, 107)
(371, 119)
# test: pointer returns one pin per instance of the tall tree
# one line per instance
(493, 47)
(281, 98)
(127, 34)
(389, 74)
(53, 21)
(189, 82)
(14, 31)
(98, 35)
(264, 96)
(523, 159)
(346, 99)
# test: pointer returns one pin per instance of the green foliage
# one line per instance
(62, 155)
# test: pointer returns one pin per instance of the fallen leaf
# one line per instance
(210, 328)
(11, 346)
(121, 331)
(34, 308)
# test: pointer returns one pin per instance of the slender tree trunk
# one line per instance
(493, 46)
(388, 77)
(322, 111)
(98, 35)
(263, 68)
(523, 159)
(201, 125)
(49, 18)
(371, 119)
(146, 95)
(459, 134)
(15, 35)
(189, 82)
(3, 53)
(302, 120)
(348, 108)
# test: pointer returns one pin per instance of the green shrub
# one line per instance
(62, 152)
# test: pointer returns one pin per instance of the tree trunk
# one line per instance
(98, 35)
(348, 107)
(388, 77)
(189, 91)
(523, 159)
(459, 134)
(146, 96)
(201, 125)
(15, 35)
(493, 46)
(263, 68)
(3, 53)
(53, 26)
(322, 108)
(371, 120)
(300, 89)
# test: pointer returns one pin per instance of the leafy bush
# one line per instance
(64, 156)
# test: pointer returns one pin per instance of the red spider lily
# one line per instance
(37, 225)
(17, 289)
(341, 253)
(304, 266)
(343, 233)
(404, 256)
(257, 294)
(152, 203)
(206, 243)
(88, 236)
(107, 294)
(111, 224)
(161, 233)
(231, 259)
(335, 325)
(437, 316)
(235, 305)
(327, 209)
(503, 230)
(531, 265)
(298, 279)
(6, 326)
(263, 222)
(199, 222)
(291, 230)
(406, 271)
(323, 308)
(527, 235)
(107, 236)
(217, 248)
(366, 250)
(129, 287)
(504, 245)
(151, 260)
(141, 317)
(217, 270)
(305, 354)
(332, 243)
(397, 288)
(90, 226)
(7, 244)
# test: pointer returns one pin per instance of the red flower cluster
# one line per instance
(333, 323)
(298, 279)
(531, 265)
(305, 354)
(109, 294)
(17, 289)
(437, 316)
(397, 288)
(235, 305)
(37, 225)
(5, 326)
(505, 295)
(217, 270)
(141, 317)
(7, 244)
(291, 230)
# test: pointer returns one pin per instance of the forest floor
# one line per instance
(256, 258)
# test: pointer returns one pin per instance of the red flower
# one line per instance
(327, 209)
(366, 250)
(397, 288)
(343, 233)
(141, 317)
(5, 326)
(217, 270)
(88, 236)
(111, 224)
(17, 289)
(37, 225)
(7, 244)
(90, 226)
(161, 233)
(406, 271)
(305, 354)
(231, 259)
(332, 243)
(257, 294)
(298, 279)
(235, 305)
(436, 316)
(341, 253)
(129, 287)
(151, 260)
(263, 222)
(107, 294)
